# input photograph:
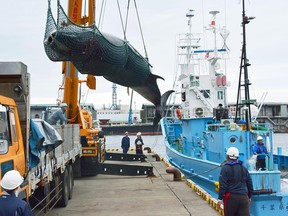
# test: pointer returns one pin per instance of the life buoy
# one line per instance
(178, 113)
(224, 80)
(218, 81)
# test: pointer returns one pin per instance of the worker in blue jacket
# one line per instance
(235, 186)
(125, 143)
(261, 151)
(10, 204)
(59, 115)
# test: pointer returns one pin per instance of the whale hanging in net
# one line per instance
(100, 54)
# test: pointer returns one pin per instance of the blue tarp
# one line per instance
(35, 143)
(43, 137)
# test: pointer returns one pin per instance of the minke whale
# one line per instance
(101, 54)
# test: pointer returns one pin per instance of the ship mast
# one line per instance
(213, 25)
(190, 15)
(244, 82)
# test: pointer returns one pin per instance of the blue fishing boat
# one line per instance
(197, 139)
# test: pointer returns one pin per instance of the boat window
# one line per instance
(220, 95)
(194, 81)
(183, 96)
(206, 93)
(233, 140)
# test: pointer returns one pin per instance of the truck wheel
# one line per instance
(63, 202)
(56, 187)
(47, 197)
(71, 181)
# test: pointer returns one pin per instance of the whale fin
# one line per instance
(160, 109)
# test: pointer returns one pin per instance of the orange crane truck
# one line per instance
(46, 156)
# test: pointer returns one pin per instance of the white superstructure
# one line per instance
(201, 71)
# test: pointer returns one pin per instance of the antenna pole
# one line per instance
(244, 67)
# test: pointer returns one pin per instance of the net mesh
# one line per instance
(93, 52)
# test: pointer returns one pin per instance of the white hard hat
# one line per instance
(259, 138)
(233, 153)
(138, 134)
(11, 180)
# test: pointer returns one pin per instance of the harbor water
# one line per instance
(156, 143)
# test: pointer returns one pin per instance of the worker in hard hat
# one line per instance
(235, 186)
(10, 204)
(139, 143)
(125, 142)
(59, 115)
(261, 151)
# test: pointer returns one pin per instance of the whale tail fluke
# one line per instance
(160, 108)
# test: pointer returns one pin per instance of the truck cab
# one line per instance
(46, 156)
(13, 122)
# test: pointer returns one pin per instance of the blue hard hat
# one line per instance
(64, 105)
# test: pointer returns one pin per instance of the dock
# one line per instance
(105, 195)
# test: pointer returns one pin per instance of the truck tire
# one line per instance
(71, 180)
(56, 186)
(47, 196)
(63, 202)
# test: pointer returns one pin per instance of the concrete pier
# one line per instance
(105, 195)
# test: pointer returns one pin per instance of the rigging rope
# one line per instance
(126, 24)
(127, 13)
(85, 2)
(206, 171)
(120, 14)
(146, 55)
(102, 10)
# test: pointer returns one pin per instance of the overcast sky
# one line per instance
(22, 26)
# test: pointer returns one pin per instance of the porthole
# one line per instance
(233, 140)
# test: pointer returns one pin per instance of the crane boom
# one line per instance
(71, 78)
(92, 141)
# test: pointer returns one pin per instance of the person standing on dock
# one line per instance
(125, 143)
(260, 150)
(139, 143)
(10, 204)
(235, 186)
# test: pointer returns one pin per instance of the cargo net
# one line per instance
(93, 52)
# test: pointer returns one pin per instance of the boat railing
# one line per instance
(261, 126)
(170, 129)
(233, 126)
(281, 160)
(252, 163)
(172, 120)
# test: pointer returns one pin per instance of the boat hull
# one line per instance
(205, 174)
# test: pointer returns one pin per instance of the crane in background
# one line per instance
(130, 110)
(114, 105)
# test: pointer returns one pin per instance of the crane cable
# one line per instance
(124, 29)
(146, 55)
(126, 21)
(103, 7)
